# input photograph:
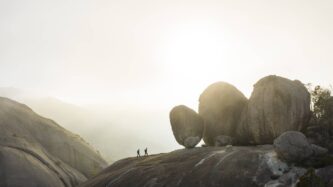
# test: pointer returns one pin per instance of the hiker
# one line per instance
(146, 151)
(138, 153)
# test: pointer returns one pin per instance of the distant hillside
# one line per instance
(36, 151)
(116, 132)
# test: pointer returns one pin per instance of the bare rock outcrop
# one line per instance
(221, 105)
(35, 151)
(187, 126)
(326, 174)
(292, 146)
(251, 166)
(276, 105)
(223, 140)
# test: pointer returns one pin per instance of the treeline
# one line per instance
(320, 128)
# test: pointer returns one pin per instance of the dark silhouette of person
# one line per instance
(146, 151)
(138, 153)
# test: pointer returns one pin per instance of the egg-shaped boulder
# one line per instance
(276, 105)
(220, 105)
(187, 126)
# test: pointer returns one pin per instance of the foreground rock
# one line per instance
(35, 151)
(292, 146)
(187, 126)
(326, 174)
(220, 106)
(223, 140)
(201, 167)
(276, 105)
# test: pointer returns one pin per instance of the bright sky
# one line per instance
(160, 53)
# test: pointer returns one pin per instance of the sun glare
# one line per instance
(190, 51)
(194, 55)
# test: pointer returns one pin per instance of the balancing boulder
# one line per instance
(187, 126)
(221, 105)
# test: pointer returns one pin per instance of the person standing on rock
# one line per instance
(138, 153)
(146, 151)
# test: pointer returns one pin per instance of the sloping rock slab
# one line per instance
(198, 167)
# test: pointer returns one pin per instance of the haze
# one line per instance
(131, 61)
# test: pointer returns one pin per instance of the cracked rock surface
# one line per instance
(201, 167)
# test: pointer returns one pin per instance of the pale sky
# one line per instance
(160, 53)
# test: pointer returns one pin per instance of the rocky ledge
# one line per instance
(207, 167)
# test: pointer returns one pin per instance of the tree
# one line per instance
(319, 100)
(322, 109)
(320, 128)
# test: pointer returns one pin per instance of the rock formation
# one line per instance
(326, 174)
(35, 151)
(220, 105)
(251, 166)
(187, 126)
(223, 140)
(276, 105)
(292, 146)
